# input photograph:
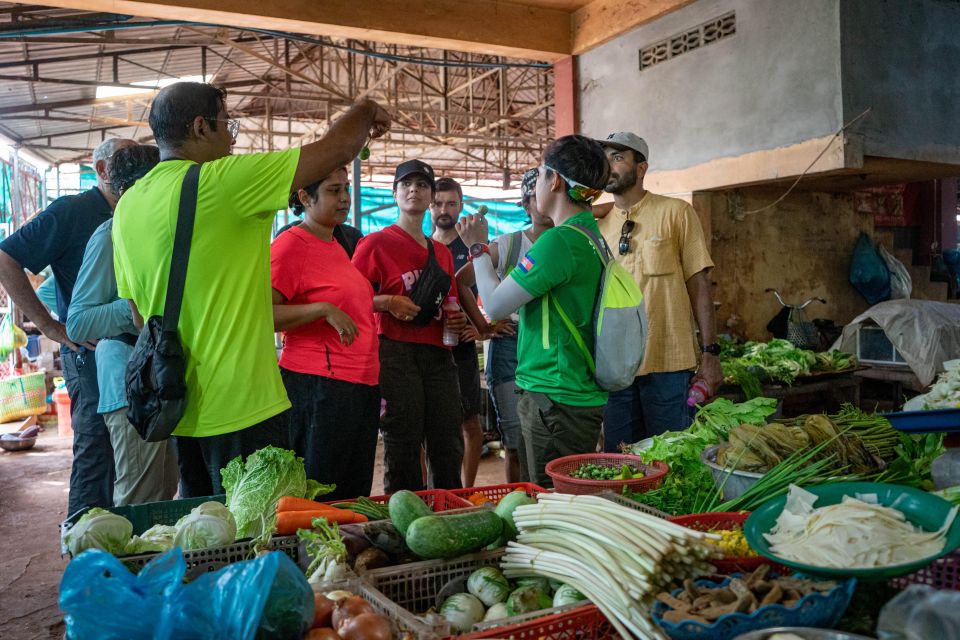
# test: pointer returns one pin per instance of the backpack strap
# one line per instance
(576, 334)
(513, 250)
(603, 252)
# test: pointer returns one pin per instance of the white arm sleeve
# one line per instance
(500, 299)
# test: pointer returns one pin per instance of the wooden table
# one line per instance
(899, 378)
(840, 388)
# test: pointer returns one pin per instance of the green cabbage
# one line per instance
(157, 538)
(209, 525)
(254, 487)
(99, 529)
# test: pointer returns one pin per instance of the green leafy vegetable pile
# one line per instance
(690, 483)
(750, 364)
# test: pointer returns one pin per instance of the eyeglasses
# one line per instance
(233, 126)
(625, 231)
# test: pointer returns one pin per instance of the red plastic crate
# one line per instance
(436, 499)
(730, 521)
(943, 573)
(496, 492)
(582, 623)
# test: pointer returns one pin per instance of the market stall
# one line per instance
(736, 526)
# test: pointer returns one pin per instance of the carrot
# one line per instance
(290, 503)
(289, 521)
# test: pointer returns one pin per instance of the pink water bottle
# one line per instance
(699, 392)
(450, 337)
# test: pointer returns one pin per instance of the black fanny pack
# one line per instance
(156, 372)
(430, 289)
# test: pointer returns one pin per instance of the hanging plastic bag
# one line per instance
(101, 598)
(868, 272)
(901, 284)
(267, 597)
(11, 337)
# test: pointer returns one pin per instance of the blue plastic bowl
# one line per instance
(822, 610)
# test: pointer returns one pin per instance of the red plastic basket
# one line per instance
(729, 520)
(582, 623)
(560, 469)
(436, 499)
(943, 573)
(496, 492)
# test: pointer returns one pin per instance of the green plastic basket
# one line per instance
(920, 508)
(144, 516)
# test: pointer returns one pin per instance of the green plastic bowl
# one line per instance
(920, 508)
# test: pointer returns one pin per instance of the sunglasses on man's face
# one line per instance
(625, 231)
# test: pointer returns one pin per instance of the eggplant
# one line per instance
(386, 537)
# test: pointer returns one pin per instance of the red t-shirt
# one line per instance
(306, 269)
(392, 260)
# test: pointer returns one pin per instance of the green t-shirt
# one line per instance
(226, 320)
(565, 264)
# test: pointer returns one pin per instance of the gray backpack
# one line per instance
(619, 321)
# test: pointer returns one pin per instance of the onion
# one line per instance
(337, 596)
(322, 610)
(366, 626)
(325, 633)
(349, 608)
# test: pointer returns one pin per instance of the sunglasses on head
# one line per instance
(625, 231)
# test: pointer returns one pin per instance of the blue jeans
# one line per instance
(654, 403)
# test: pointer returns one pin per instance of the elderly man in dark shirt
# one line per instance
(57, 237)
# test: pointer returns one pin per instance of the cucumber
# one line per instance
(450, 536)
(405, 507)
(505, 509)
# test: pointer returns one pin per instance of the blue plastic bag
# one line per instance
(868, 271)
(267, 597)
(101, 598)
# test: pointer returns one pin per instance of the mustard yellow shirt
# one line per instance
(667, 248)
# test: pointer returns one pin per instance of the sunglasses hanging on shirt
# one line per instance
(625, 232)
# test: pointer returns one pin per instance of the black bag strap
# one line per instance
(181, 248)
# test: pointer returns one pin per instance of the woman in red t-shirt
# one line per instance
(418, 377)
(329, 364)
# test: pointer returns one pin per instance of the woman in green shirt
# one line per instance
(561, 408)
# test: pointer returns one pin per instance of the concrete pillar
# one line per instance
(565, 97)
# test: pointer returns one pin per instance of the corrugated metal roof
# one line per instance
(48, 86)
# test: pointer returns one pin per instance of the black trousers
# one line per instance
(201, 459)
(420, 384)
(93, 469)
(333, 426)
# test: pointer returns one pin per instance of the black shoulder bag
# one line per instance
(430, 289)
(156, 371)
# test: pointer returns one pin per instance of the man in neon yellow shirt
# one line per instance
(234, 392)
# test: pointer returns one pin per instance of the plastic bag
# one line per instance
(921, 612)
(267, 597)
(101, 598)
(868, 272)
(901, 284)
(11, 337)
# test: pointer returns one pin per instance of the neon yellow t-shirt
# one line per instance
(226, 319)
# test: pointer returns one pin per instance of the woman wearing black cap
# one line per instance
(418, 379)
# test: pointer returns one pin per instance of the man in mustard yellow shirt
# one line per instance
(660, 241)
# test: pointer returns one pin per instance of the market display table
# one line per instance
(807, 394)
(899, 379)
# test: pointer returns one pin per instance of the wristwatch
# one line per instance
(713, 348)
(478, 249)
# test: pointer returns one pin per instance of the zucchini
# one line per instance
(405, 507)
(505, 509)
(450, 536)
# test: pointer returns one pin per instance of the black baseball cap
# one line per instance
(411, 167)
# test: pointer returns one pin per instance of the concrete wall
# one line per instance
(802, 247)
(775, 83)
(901, 58)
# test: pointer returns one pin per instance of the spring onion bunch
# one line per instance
(618, 557)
